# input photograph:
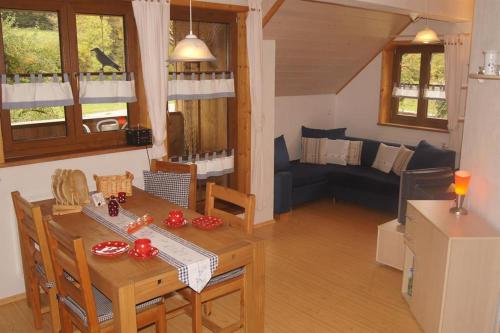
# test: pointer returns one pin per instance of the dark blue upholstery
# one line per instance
(332, 134)
(303, 182)
(427, 156)
(282, 192)
(281, 158)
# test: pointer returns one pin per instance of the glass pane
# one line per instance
(101, 48)
(437, 109)
(437, 69)
(31, 45)
(205, 122)
(410, 68)
(408, 107)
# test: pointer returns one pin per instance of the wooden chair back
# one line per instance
(68, 256)
(33, 238)
(245, 201)
(164, 166)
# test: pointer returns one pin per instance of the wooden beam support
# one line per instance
(270, 13)
(211, 5)
(243, 118)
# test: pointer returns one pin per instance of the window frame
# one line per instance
(391, 70)
(181, 13)
(75, 139)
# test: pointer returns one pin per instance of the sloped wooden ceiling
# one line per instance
(320, 47)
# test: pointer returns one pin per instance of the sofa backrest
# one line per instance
(428, 156)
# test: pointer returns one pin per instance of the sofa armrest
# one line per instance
(282, 192)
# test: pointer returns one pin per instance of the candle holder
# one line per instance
(462, 179)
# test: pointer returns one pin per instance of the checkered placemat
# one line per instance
(194, 264)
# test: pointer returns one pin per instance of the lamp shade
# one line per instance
(191, 49)
(426, 36)
(462, 179)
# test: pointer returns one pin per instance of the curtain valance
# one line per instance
(114, 88)
(181, 88)
(36, 92)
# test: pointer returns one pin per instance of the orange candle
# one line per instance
(462, 179)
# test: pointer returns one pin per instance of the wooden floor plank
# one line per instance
(321, 276)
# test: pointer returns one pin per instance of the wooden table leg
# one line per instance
(124, 309)
(254, 291)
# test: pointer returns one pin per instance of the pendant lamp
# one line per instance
(426, 35)
(191, 48)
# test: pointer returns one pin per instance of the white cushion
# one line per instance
(386, 155)
(313, 151)
(355, 149)
(401, 162)
(336, 151)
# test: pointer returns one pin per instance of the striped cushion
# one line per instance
(226, 276)
(313, 151)
(103, 305)
(173, 187)
(41, 271)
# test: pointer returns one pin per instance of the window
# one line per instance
(199, 126)
(56, 37)
(413, 87)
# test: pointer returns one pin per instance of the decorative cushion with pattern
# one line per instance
(386, 155)
(355, 150)
(402, 160)
(313, 151)
(173, 187)
(336, 151)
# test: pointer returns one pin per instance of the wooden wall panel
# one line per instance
(243, 127)
(321, 47)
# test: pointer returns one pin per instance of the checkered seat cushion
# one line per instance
(104, 307)
(226, 276)
(41, 272)
(173, 187)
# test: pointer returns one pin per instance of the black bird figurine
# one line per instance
(104, 59)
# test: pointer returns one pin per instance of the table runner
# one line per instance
(194, 264)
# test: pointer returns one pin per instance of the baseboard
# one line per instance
(12, 299)
(264, 224)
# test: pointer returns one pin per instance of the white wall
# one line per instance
(34, 183)
(481, 143)
(265, 191)
(357, 105)
(316, 111)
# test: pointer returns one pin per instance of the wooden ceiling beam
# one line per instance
(275, 7)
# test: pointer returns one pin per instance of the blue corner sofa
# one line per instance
(296, 183)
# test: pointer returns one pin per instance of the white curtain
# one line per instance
(456, 52)
(255, 62)
(152, 18)
(180, 88)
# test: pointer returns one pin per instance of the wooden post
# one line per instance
(243, 141)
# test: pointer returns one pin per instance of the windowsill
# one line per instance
(420, 128)
(50, 158)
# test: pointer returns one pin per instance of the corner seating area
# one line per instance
(297, 183)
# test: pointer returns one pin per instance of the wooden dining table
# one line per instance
(128, 281)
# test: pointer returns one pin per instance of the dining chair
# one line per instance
(82, 304)
(37, 265)
(231, 281)
(176, 187)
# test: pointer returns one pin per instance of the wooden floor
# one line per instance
(321, 277)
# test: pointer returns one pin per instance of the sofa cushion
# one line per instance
(281, 157)
(428, 156)
(365, 178)
(332, 134)
(306, 174)
(370, 149)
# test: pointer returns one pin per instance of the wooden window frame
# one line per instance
(391, 70)
(75, 140)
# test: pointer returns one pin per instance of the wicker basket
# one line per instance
(112, 185)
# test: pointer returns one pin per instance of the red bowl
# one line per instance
(207, 222)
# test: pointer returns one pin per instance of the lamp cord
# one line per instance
(190, 18)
